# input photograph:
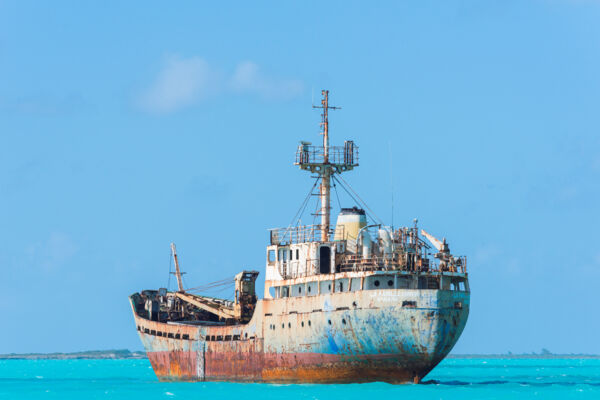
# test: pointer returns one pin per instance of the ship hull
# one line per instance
(393, 336)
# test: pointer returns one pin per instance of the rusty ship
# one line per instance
(357, 301)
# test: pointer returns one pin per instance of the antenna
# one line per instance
(326, 173)
(391, 181)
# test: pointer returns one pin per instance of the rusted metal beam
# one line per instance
(217, 310)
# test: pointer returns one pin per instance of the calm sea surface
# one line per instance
(452, 379)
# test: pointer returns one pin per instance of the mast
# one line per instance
(325, 173)
(325, 161)
(177, 271)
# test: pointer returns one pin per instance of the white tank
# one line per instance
(386, 241)
(366, 243)
(349, 222)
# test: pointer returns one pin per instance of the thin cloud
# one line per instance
(53, 253)
(247, 77)
(182, 82)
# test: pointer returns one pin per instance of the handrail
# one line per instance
(338, 155)
(299, 234)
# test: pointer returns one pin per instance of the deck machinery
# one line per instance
(356, 302)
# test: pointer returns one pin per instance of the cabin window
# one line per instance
(341, 285)
(185, 336)
(153, 332)
(309, 322)
(271, 256)
(170, 335)
(299, 289)
(236, 337)
(227, 338)
(177, 336)
(410, 304)
(325, 286)
(291, 254)
(302, 323)
(297, 254)
(376, 283)
(390, 283)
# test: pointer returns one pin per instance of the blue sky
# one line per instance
(124, 127)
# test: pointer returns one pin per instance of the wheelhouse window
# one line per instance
(271, 256)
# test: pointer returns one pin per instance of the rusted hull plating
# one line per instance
(316, 339)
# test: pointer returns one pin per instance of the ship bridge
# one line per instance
(354, 245)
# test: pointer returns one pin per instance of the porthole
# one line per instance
(309, 289)
(299, 289)
(376, 283)
(302, 323)
(390, 283)
(343, 321)
(283, 325)
(308, 322)
(289, 325)
(329, 287)
(329, 321)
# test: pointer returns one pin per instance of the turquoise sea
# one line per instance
(452, 379)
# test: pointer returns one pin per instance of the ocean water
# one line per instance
(452, 379)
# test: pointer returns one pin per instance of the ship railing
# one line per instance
(339, 155)
(299, 234)
(357, 263)
(311, 268)
(394, 262)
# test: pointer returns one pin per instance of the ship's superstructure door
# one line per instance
(325, 260)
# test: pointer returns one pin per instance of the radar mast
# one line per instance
(326, 161)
